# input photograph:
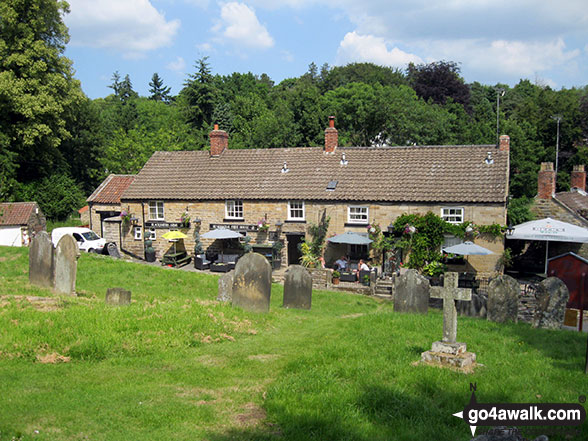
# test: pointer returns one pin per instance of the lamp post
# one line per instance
(558, 119)
(499, 92)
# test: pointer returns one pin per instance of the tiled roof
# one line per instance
(575, 200)
(110, 191)
(395, 174)
(16, 213)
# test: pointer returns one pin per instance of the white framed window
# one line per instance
(296, 210)
(138, 233)
(156, 210)
(453, 215)
(234, 209)
(357, 214)
(152, 235)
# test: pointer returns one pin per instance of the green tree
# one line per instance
(158, 91)
(438, 82)
(36, 88)
(197, 98)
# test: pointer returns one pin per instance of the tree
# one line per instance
(438, 82)
(36, 88)
(198, 96)
(158, 91)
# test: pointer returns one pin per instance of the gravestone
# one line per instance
(297, 288)
(113, 250)
(252, 283)
(66, 265)
(225, 287)
(503, 433)
(503, 299)
(41, 261)
(411, 292)
(118, 296)
(552, 296)
(477, 307)
(449, 352)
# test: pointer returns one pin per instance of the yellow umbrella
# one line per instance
(170, 235)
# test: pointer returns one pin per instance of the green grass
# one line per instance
(177, 365)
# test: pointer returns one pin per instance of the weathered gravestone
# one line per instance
(503, 433)
(449, 352)
(66, 265)
(225, 287)
(552, 296)
(411, 292)
(41, 261)
(503, 299)
(297, 288)
(113, 250)
(118, 296)
(252, 283)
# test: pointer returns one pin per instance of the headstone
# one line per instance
(66, 265)
(477, 307)
(552, 296)
(297, 287)
(41, 261)
(503, 433)
(503, 299)
(449, 352)
(118, 296)
(252, 283)
(225, 287)
(113, 250)
(411, 292)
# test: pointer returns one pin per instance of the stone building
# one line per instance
(105, 204)
(19, 222)
(289, 188)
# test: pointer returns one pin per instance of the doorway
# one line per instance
(294, 254)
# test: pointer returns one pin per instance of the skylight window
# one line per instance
(332, 185)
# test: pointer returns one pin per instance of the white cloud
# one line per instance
(369, 48)
(287, 56)
(131, 26)
(178, 65)
(239, 25)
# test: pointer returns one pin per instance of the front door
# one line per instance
(294, 253)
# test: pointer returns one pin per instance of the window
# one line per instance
(296, 210)
(156, 210)
(138, 233)
(152, 235)
(452, 215)
(357, 215)
(234, 209)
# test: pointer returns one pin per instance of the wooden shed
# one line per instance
(573, 271)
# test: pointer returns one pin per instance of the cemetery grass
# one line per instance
(177, 365)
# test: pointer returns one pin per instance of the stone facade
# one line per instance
(213, 212)
(96, 216)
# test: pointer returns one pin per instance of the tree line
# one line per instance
(57, 145)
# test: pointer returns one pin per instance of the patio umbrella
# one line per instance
(350, 238)
(549, 230)
(221, 234)
(174, 236)
(467, 249)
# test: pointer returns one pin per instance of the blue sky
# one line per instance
(495, 41)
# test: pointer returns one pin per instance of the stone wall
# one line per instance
(95, 209)
(213, 212)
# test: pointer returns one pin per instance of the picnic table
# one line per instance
(175, 259)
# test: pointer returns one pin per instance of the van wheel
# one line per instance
(91, 250)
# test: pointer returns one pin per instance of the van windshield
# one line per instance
(90, 235)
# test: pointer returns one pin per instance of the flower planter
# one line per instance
(336, 281)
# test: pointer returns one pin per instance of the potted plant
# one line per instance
(185, 220)
(365, 280)
(277, 258)
(262, 225)
(125, 217)
(336, 276)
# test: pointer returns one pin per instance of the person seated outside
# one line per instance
(322, 261)
(361, 266)
(341, 264)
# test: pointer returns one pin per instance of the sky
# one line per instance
(498, 41)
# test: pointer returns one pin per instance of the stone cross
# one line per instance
(450, 293)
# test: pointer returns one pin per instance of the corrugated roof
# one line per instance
(394, 174)
(16, 213)
(111, 189)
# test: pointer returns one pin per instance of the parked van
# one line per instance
(87, 240)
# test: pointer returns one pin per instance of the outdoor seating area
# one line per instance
(224, 263)
(179, 258)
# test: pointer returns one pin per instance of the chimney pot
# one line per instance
(331, 136)
(216, 127)
(578, 177)
(546, 181)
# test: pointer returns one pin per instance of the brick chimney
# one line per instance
(331, 136)
(546, 181)
(578, 178)
(219, 141)
(504, 144)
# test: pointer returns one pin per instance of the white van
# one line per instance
(87, 240)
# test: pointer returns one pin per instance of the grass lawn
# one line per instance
(177, 365)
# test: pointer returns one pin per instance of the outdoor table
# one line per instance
(175, 259)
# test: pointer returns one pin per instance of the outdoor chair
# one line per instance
(200, 262)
